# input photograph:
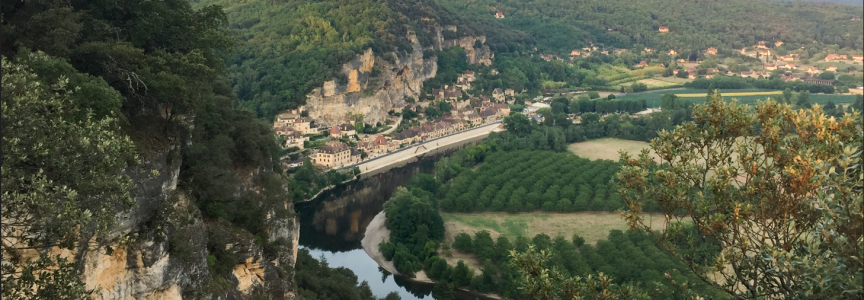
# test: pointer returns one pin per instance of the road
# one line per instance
(419, 149)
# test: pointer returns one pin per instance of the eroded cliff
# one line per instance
(163, 253)
(375, 84)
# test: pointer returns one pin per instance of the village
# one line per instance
(341, 145)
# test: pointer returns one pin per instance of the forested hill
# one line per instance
(289, 47)
(562, 25)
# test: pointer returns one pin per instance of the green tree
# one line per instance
(787, 94)
(62, 178)
(462, 242)
(768, 219)
(803, 100)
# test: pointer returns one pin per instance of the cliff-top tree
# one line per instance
(61, 177)
(778, 189)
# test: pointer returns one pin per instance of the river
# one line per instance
(332, 226)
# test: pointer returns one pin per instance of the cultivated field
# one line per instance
(744, 96)
(592, 226)
(738, 94)
(607, 148)
(653, 83)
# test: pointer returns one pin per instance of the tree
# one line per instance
(803, 100)
(393, 296)
(783, 227)
(543, 282)
(682, 74)
(62, 180)
(827, 75)
(593, 95)
(787, 94)
(462, 242)
(462, 274)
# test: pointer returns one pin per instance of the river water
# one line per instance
(332, 226)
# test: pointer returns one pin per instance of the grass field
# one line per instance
(839, 65)
(592, 226)
(653, 83)
(653, 97)
(607, 148)
(739, 94)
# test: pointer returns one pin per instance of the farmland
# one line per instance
(744, 96)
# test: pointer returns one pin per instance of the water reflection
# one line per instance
(333, 225)
(381, 282)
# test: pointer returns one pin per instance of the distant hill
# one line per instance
(850, 2)
(559, 26)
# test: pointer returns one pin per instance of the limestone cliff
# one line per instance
(373, 94)
(164, 253)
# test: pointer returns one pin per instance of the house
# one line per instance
(488, 115)
(499, 15)
(663, 29)
(681, 60)
(295, 139)
(778, 43)
(760, 73)
(293, 120)
(380, 144)
(813, 70)
(469, 75)
(746, 74)
(831, 57)
(648, 50)
(332, 155)
(711, 51)
(761, 45)
(672, 52)
(438, 94)
(453, 95)
(493, 72)
(641, 64)
(502, 109)
(474, 118)
(789, 77)
(791, 66)
(347, 129)
(287, 163)
(463, 84)
(674, 71)
(509, 92)
(831, 68)
(713, 70)
(407, 136)
(764, 52)
(858, 58)
(575, 53)
(334, 131)
(787, 57)
(498, 94)
(770, 67)
(709, 76)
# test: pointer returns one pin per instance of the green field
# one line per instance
(593, 226)
(607, 148)
(840, 66)
(653, 97)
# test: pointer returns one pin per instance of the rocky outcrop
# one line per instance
(163, 253)
(376, 82)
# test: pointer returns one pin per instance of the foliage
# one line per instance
(415, 227)
(48, 139)
(784, 208)
(547, 180)
(315, 279)
(560, 26)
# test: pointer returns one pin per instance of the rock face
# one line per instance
(165, 255)
(375, 84)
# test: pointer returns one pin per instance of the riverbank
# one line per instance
(377, 232)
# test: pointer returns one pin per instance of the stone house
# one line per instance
(332, 155)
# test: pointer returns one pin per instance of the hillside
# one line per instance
(287, 49)
(560, 26)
